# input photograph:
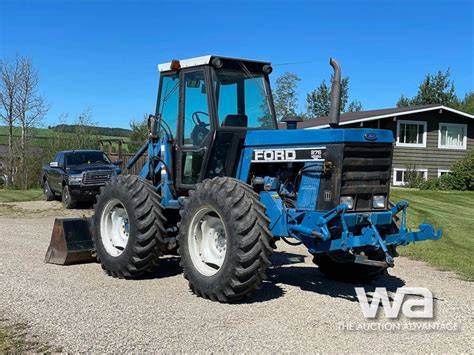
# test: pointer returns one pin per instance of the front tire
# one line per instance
(128, 227)
(48, 193)
(336, 265)
(67, 199)
(224, 240)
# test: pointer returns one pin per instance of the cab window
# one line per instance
(196, 113)
(242, 100)
(60, 160)
(169, 101)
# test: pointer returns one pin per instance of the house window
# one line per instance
(452, 136)
(400, 176)
(411, 133)
(442, 172)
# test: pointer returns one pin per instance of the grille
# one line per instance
(366, 172)
(96, 177)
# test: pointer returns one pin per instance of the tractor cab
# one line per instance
(206, 105)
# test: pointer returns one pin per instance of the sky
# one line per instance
(103, 55)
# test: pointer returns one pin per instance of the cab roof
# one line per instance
(206, 60)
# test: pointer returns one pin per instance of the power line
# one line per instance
(290, 63)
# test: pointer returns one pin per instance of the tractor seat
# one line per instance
(235, 121)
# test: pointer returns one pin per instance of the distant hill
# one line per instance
(100, 131)
(40, 137)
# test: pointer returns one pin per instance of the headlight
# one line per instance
(378, 202)
(348, 200)
(75, 179)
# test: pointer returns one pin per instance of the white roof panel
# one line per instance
(206, 59)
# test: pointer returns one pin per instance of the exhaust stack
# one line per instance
(335, 109)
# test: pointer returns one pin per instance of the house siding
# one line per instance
(430, 157)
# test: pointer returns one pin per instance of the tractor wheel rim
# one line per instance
(207, 241)
(114, 227)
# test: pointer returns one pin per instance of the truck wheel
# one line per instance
(128, 227)
(224, 240)
(48, 193)
(336, 265)
(67, 199)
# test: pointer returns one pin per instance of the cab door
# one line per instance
(195, 128)
(55, 173)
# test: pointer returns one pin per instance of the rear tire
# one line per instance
(48, 193)
(67, 199)
(140, 236)
(232, 211)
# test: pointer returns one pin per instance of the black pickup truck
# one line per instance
(77, 175)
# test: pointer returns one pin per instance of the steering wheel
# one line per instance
(197, 121)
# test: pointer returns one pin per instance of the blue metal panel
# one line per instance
(300, 137)
(244, 165)
(309, 187)
(137, 155)
(165, 153)
(275, 211)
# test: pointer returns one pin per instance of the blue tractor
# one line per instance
(222, 184)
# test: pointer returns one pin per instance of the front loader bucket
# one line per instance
(71, 242)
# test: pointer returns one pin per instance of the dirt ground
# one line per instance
(80, 309)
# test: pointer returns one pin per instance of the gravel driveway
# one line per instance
(79, 308)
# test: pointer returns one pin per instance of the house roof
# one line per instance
(362, 116)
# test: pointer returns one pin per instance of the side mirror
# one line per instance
(118, 162)
(54, 164)
(152, 125)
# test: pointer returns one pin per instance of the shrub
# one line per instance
(464, 171)
(443, 182)
(460, 178)
(413, 177)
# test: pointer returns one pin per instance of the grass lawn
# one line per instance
(20, 195)
(14, 340)
(453, 212)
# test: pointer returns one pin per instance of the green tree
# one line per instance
(318, 102)
(467, 104)
(285, 96)
(354, 106)
(139, 132)
(434, 89)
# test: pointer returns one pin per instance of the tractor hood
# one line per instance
(304, 137)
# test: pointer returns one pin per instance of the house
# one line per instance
(428, 139)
